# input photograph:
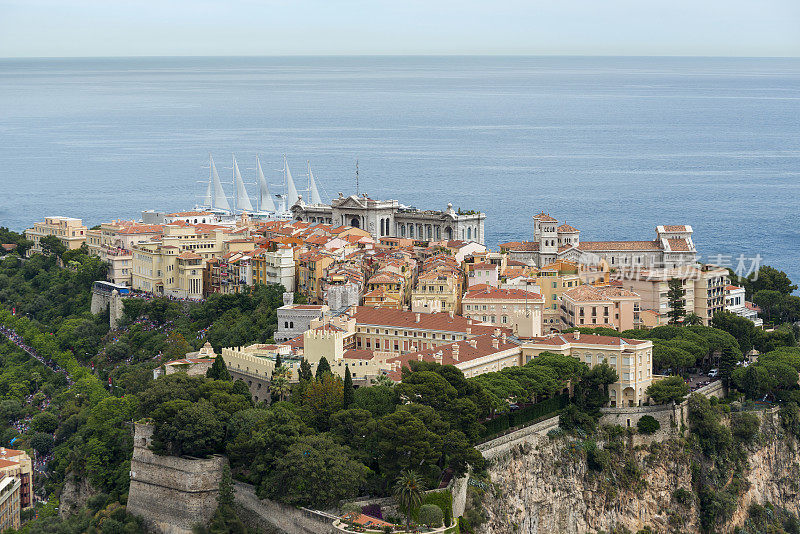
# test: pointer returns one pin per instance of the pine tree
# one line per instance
(349, 392)
(677, 302)
(218, 370)
(322, 367)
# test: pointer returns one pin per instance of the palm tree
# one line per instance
(408, 492)
(382, 380)
(692, 319)
(280, 387)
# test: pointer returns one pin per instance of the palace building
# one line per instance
(388, 218)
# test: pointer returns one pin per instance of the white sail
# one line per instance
(265, 202)
(220, 200)
(313, 192)
(207, 199)
(291, 190)
(242, 199)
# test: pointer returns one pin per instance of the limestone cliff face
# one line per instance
(75, 493)
(547, 487)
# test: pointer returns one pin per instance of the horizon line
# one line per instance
(381, 55)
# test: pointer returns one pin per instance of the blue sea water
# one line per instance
(613, 146)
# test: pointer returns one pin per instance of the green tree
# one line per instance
(770, 279)
(727, 363)
(408, 493)
(279, 385)
(305, 370)
(647, 424)
(44, 422)
(670, 389)
(348, 396)
(218, 370)
(323, 398)
(430, 515)
(769, 301)
(676, 297)
(52, 245)
(316, 471)
(323, 367)
(42, 443)
(177, 346)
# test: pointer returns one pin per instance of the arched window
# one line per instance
(469, 233)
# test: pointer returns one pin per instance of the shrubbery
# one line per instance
(647, 424)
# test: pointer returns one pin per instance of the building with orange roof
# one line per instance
(112, 243)
(311, 268)
(517, 309)
(486, 353)
(275, 265)
(673, 246)
(173, 264)
(606, 306)
(17, 463)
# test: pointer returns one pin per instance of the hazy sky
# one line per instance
(276, 27)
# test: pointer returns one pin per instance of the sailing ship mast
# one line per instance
(241, 200)
(264, 197)
(218, 199)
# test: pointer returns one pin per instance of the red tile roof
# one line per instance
(619, 245)
(566, 229)
(487, 292)
(484, 346)
(442, 322)
(679, 245)
(560, 340)
(521, 246)
(544, 217)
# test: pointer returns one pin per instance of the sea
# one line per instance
(611, 145)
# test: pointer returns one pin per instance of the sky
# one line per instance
(67, 28)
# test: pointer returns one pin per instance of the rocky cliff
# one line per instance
(548, 486)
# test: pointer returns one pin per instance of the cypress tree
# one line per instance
(218, 370)
(348, 392)
(322, 367)
(305, 371)
(278, 361)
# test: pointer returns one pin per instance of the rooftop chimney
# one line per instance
(503, 337)
(576, 334)
(419, 357)
(469, 330)
(455, 351)
(495, 343)
(496, 332)
(451, 314)
(473, 343)
(416, 317)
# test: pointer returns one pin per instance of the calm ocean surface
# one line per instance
(614, 146)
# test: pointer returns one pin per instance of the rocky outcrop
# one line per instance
(547, 486)
(74, 495)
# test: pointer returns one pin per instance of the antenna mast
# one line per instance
(357, 193)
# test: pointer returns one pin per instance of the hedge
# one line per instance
(524, 415)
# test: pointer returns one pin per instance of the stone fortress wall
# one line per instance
(171, 494)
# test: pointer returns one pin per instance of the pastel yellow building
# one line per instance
(70, 232)
(632, 359)
(173, 265)
(112, 243)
